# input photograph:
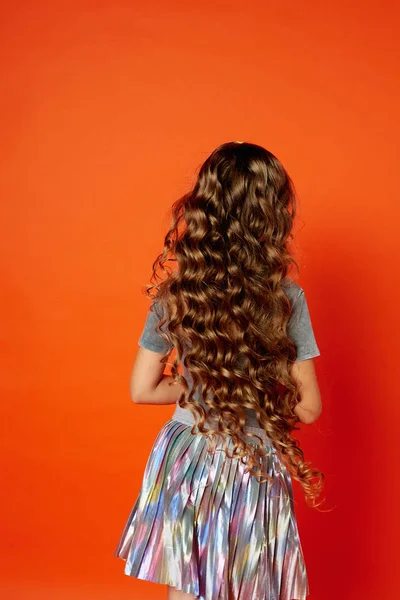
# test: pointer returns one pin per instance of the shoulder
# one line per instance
(156, 308)
(292, 289)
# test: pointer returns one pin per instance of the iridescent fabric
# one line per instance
(204, 526)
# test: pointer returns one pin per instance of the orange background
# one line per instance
(108, 108)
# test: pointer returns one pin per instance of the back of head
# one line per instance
(242, 206)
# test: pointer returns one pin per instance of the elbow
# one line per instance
(138, 398)
(311, 417)
(135, 396)
(308, 414)
(137, 393)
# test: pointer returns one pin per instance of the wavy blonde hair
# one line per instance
(229, 240)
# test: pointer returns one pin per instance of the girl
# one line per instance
(215, 517)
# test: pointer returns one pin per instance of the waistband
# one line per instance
(185, 416)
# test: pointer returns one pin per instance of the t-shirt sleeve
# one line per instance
(300, 329)
(150, 338)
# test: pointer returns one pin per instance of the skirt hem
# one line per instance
(154, 580)
(185, 591)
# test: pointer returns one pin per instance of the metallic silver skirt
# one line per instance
(203, 526)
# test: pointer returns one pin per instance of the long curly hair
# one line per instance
(224, 308)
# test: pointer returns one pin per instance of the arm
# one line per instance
(148, 383)
(300, 329)
(310, 406)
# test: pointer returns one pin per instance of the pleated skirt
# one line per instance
(204, 526)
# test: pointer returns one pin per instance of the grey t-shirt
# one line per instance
(299, 329)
